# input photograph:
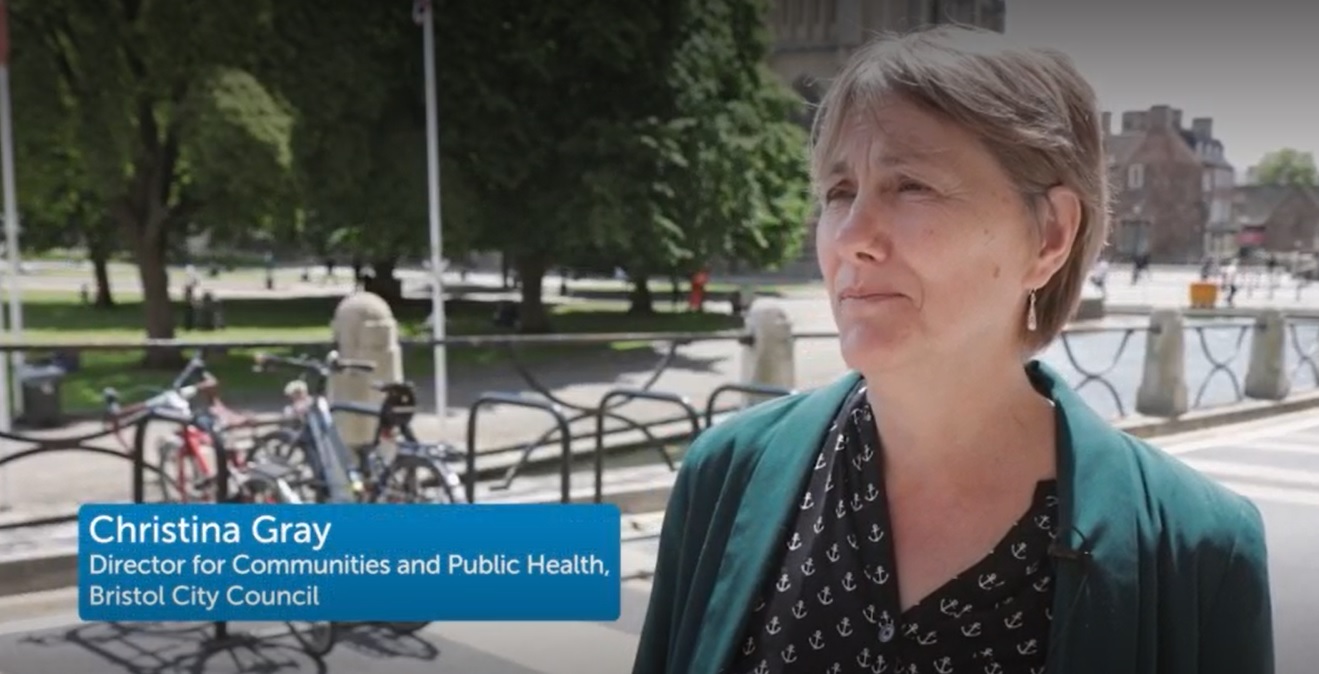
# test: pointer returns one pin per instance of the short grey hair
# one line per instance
(1031, 108)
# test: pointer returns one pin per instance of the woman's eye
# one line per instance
(911, 186)
(838, 194)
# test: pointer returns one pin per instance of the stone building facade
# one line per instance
(1161, 200)
(1277, 219)
(1218, 189)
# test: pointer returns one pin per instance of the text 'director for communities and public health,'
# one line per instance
(349, 563)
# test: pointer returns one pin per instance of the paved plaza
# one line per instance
(1275, 462)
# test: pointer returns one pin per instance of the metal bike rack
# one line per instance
(754, 389)
(80, 444)
(514, 400)
(139, 457)
(206, 423)
(628, 394)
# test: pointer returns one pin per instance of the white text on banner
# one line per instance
(348, 563)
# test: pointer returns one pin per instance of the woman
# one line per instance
(951, 506)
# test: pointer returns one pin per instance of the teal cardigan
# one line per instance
(1172, 577)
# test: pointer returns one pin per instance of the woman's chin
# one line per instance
(872, 348)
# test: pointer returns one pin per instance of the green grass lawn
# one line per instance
(52, 318)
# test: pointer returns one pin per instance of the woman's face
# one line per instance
(926, 247)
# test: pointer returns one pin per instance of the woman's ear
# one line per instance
(1059, 217)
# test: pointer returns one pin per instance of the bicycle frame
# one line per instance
(320, 434)
(193, 443)
(393, 424)
(347, 474)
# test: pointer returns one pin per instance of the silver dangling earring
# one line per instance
(1032, 322)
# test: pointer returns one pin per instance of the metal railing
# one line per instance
(1106, 363)
(1303, 344)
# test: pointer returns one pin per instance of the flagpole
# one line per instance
(427, 17)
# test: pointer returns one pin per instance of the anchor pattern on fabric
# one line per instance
(830, 602)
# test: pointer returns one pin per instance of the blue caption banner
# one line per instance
(348, 563)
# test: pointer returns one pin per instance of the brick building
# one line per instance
(1218, 183)
(1161, 198)
(1280, 219)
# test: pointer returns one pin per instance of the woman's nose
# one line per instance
(861, 233)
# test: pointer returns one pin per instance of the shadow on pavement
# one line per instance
(189, 648)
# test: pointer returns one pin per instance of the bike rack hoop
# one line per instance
(140, 445)
(628, 394)
(735, 387)
(494, 398)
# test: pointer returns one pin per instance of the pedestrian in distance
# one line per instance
(949, 504)
(1099, 277)
(1231, 280)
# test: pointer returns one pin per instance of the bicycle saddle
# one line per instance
(400, 399)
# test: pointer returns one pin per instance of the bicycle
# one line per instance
(367, 479)
(413, 458)
(253, 480)
(182, 456)
(358, 474)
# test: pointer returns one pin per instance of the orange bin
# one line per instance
(1204, 295)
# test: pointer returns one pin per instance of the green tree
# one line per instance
(538, 101)
(1287, 167)
(646, 131)
(353, 72)
(71, 218)
(721, 174)
(170, 131)
(58, 203)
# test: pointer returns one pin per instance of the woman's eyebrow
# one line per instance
(903, 154)
(897, 158)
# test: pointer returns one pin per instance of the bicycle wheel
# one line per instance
(316, 638)
(412, 477)
(182, 479)
(286, 447)
(415, 478)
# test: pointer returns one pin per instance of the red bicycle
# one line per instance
(186, 456)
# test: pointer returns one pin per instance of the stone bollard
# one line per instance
(1162, 390)
(364, 329)
(768, 360)
(1267, 377)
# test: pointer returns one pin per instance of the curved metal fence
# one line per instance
(1106, 363)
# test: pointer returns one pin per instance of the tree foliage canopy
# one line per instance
(645, 133)
(1288, 167)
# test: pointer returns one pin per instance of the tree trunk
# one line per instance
(642, 302)
(156, 302)
(101, 270)
(531, 312)
(383, 281)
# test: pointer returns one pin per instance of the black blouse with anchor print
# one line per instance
(832, 606)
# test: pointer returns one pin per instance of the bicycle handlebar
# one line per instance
(330, 365)
(194, 367)
(173, 398)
